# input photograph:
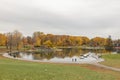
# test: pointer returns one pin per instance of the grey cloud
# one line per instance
(91, 19)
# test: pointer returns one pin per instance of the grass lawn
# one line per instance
(24, 70)
(112, 60)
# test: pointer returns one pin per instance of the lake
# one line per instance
(66, 55)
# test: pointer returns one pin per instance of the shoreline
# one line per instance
(97, 64)
(77, 62)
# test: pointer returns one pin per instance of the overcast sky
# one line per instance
(73, 17)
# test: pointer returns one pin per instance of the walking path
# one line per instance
(106, 67)
(95, 63)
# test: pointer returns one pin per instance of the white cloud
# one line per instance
(75, 17)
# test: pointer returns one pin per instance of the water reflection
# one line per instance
(64, 55)
(26, 56)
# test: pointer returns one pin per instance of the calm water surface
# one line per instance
(64, 55)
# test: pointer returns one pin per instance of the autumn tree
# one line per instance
(29, 40)
(14, 40)
(9, 42)
(85, 40)
(98, 41)
(38, 38)
(48, 43)
(3, 40)
(17, 38)
(78, 41)
(25, 42)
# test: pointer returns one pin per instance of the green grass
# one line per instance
(22, 70)
(112, 60)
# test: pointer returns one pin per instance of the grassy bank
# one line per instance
(112, 60)
(23, 70)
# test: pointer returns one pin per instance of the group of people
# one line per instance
(74, 60)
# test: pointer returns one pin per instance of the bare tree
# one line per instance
(13, 40)
(9, 42)
(17, 38)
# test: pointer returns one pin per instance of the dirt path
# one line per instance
(106, 67)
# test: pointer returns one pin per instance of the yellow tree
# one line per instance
(17, 38)
(38, 38)
(59, 43)
(98, 41)
(37, 42)
(2, 40)
(24, 40)
(78, 41)
(85, 40)
(48, 43)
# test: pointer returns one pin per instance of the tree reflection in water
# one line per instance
(65, 53)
